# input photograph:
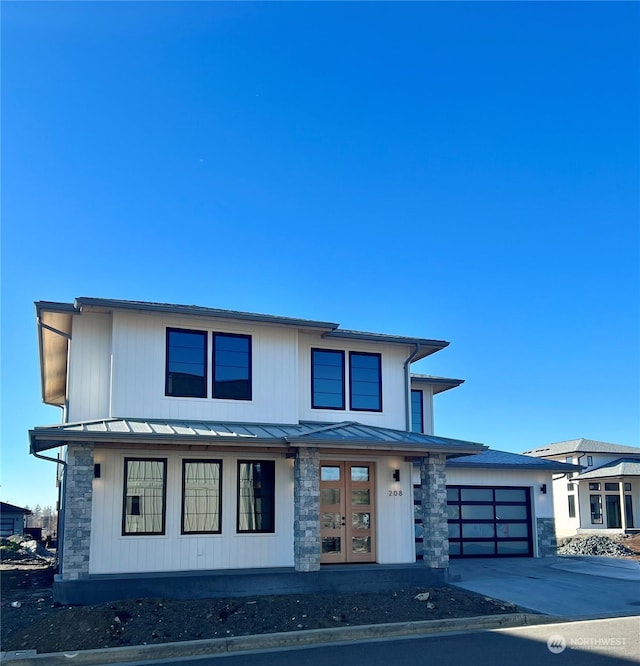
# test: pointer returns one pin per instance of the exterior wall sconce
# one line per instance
(543, 488)
(396, 475)
(96, 471)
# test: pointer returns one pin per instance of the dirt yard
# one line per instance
(40, 624)
(31, 620)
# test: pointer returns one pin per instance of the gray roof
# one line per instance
(581, 446)
(5, 507)
(505, 460)
(347, 434)
(619, 467)
(439, 384)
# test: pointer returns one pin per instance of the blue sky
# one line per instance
(466, 172)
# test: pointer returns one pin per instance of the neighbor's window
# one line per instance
(201, 494)
(231, 366)
(589, 461)
(186, 365)
(145, 492)
(417, 421)
(596, 508)
(594, 486)
(627, 487)
(256, 496)
(611, 486)
(365, 382)
(327, 379)
(572, 506)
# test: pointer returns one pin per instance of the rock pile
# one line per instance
(19, 548)
(594, 545)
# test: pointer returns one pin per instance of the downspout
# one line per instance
(61, 505)
(407, 382)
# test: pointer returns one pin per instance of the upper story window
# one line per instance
(186, 366)
(417, 420)
(327, 379)
(365, 382)
(231, 366)
(589, 461)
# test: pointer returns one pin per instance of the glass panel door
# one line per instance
(613, 511)
(347, 518)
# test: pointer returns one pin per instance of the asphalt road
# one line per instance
(606, 642)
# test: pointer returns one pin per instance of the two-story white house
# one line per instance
(199, 441)
(601, 498)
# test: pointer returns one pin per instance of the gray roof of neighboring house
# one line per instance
(504, 460)
(439, 384)
(307, 433)
(581, 446)
(5, 507)
(619, 467)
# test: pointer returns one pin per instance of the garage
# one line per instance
(489, 522)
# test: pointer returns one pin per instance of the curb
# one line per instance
(287, 639)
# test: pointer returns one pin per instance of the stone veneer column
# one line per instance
(546, 533)
(77, 511)
(434, 511)
(306, 503)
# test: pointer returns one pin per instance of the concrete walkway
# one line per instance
(573, 587)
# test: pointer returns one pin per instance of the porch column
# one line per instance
(623, 513)
(306, 510)
(78, 500)
(433, 487)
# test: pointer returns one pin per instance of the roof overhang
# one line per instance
(438, 384)
(183, 434)
(54, 332)
(424, 346)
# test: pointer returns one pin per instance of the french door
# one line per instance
(347, 518)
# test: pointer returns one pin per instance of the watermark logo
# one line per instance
(556, 643)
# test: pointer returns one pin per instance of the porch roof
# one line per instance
(348, 435)
(619, 467)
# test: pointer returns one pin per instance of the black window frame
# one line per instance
(186, 461)
(222, 334)
(572, 506)
(596, 518)
(272, 528)
(377, 355)
(421, 402)
(594, 486)
(337, 352)
(162, 532)
(200, 333)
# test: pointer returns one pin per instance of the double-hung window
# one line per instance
(417, 421)
(256, 496)
(201, 496)
(145, 493)
(186, 363)
(231, 366)
(365, 382)
(327, 379)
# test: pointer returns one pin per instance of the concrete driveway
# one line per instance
(574, 587)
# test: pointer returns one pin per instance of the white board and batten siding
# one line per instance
(111, 552)
(89, 381)
(139, 359)
(393, 382)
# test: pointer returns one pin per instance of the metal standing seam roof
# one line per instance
(306, 433)
(619, 467)
(580, 446)
(506, 460)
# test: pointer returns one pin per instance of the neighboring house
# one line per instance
(205, 440)
(12, 519)
(601, 498)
